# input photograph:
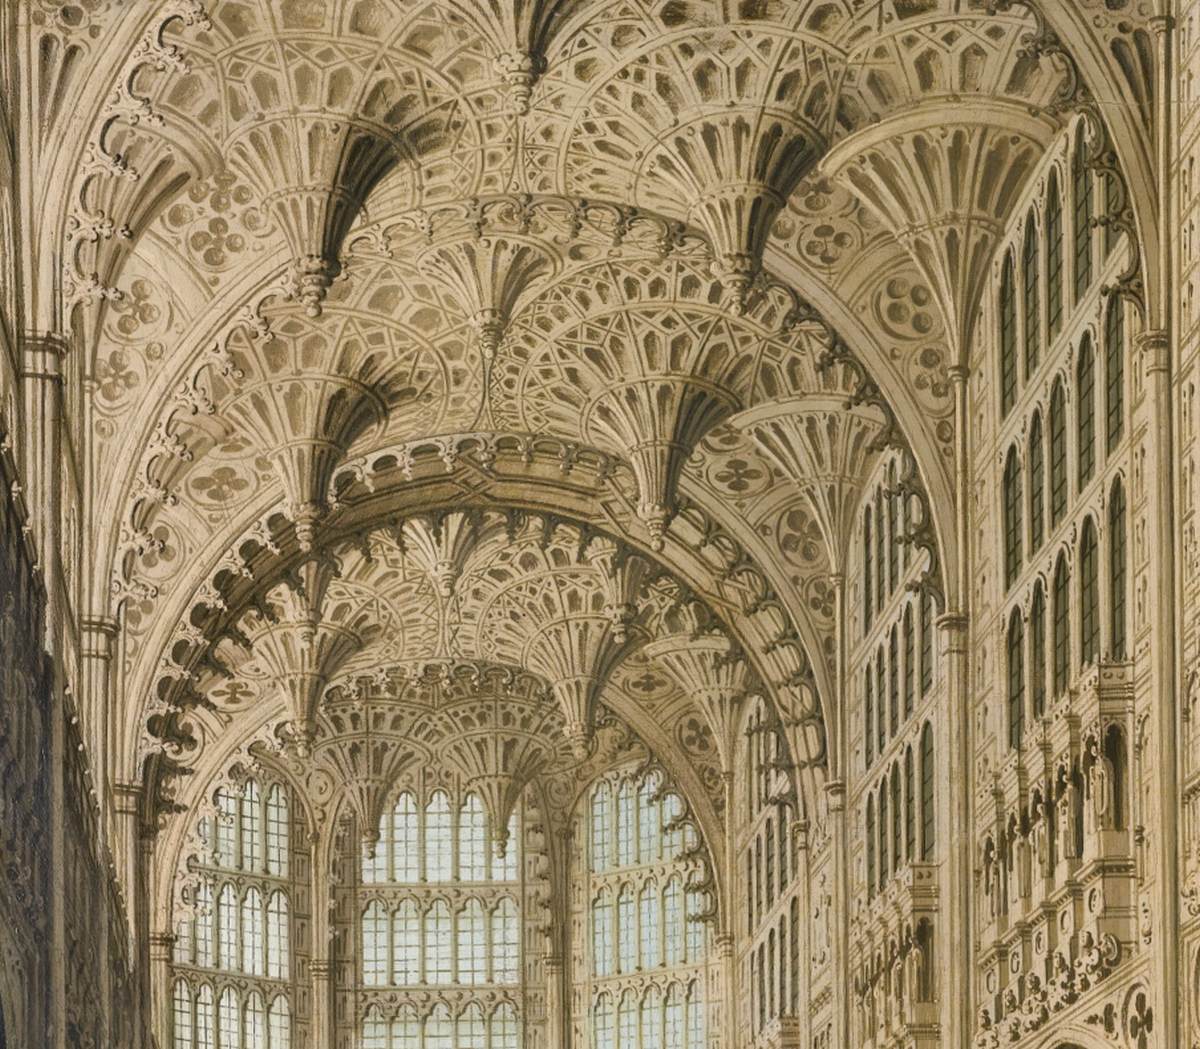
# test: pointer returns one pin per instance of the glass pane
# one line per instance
(472, 945)
(505, 943)
(277, 832)
(406, 944)
(183, 1015)
(438, 944)
(253, 961)
(278, 937)
(228, 1027)
(279, 1024)
(472, 840)
(255, 1030)
(375, 943)
(406, 856)
(650, 920)
(251, 831)
(437, 838)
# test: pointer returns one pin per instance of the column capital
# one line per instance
(958, 373)
(835, 792)
(953, 622)
(42, 353)
(1155, 347)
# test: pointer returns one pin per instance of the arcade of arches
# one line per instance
(599, 524)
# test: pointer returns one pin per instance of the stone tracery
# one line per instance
(500, 390)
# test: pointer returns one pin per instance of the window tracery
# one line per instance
(440, 925)
(232, 959)
(646, 917)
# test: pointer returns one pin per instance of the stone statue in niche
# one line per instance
(1101, 788)
(1068, 806)
(1041, 840)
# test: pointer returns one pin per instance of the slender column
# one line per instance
(1154, 347)
(953, 739)
(96, 648)
(42, 356)
(727, 938)
(803, 1014)
(835, 793)
(556, 1007)
(320, 966)
(160, 950)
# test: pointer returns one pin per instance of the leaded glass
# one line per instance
(406, 944)
(505, 942)
(471, 1032)
(182, 1000)
(253, 957)
(1008, 338)
(437, 837)
(228, 1020)
(277, 832)
(251, 828)
(254, 1033)
(649, 916)
(439, 939)
(278, 936)
(1089, 594)
(472, 944)
(473, 858)
(1054, 255)
(1029, 298)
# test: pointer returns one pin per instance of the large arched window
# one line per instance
(1089, 593)
(1114, 372)
(1062, 625)
(1085, 412)
(893, 527)
(1016, 679)
(1083, 207)
(1013, 496)
(1117, 569)
(868, 718)
(910, 807)
(884, 866)
(232, 952)
(1030, 301)
(928, 815)
(869, 832)
(910, 653)
(1037, 649)
(1058, 454)
(1037, 484)
(1054, 255)
(868, 591)
(1008, 337)
(893, 683)
(645, 926)
(439, 914)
